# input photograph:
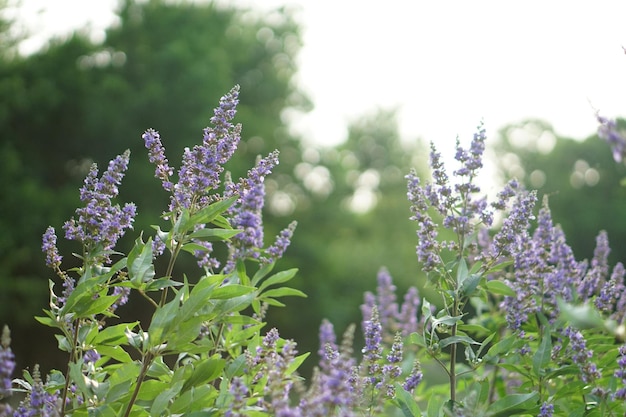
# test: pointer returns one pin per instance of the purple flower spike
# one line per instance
(49, 247)
(7, 362)
(201, 167)
(100, 223)
(283, 240)
(247, 212)
(156, 155)
(609, 132)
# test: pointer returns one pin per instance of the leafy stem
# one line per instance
(71, 360)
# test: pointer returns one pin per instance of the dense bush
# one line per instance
(518, 326)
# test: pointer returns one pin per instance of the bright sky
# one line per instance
(444, 64)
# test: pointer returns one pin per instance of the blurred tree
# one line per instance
(580, 178)
(355, 221)
(163, 66)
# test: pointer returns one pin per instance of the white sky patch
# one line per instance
(444, 65)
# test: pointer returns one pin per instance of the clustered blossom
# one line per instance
(39, 402)
(581, 355)
(7, 362)
(392, 317)
(428, 248)
(454, 200)
(156, 155)
(596, 276)
(123, 293)
(507, 240)
(282, 242)
(240, 392)
(609, 132)
(100, 223)
(372, 351)
(201, 166)
(546, 410)
(49, 247)
(246, 214)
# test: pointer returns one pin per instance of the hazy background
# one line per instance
(350, 94)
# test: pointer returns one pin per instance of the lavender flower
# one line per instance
(201, 167)
(7, 362)
(506, 240)
(414, 378)
(240, 392)
(407, 317)
(91, 356)
(428, 248)
(156, 155)
(282, 242)
(328, 342)
(49, 247)
(596, 276)
(609, 132)
(386, 297)
(123, 293)
(38, 402)
(546, 410)
(204, 256)
(101, 224)
(612, 292)
(581, 355)
(372, 351)
(246, 214)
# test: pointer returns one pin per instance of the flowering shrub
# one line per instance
(518, 326)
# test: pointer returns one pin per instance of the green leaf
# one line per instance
(113, 335)
(117, 391)
(231, 305)
(186, 332)
(231, 291)
(499, 287)
(457, 339)
(503, 346)
(500, 266)
(262, 272)
(159, 284)
(461, 273)
(140, 267)
(151, 388)
(163, 399)
(205, 371)
(283, 292)
(446, 320)
(161, 323)
(210, 212)
(406, 403)
(513, 404)
(469, 285)
(221, 221)
(115, 352)
(434, 406)
(582, 317)
(278, 278)
(87, 307)
(541, 358)
(297, 361)
(211, 235)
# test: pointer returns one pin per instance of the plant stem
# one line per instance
(67, 373)
(145, 365)
(455, 312)
(170, 269)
